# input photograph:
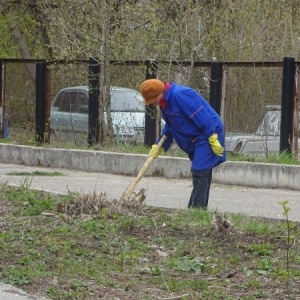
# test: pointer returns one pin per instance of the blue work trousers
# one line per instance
(201, 187)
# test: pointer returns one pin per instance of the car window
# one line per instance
(59, 100)
(270, 124)
(66, 101)
(81, 103)
(122, 100)
(126, 101)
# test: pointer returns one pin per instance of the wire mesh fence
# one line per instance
(249, 92)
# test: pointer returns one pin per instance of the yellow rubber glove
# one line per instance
(215, 145)
(156, 151)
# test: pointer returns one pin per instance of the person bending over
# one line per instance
(195, 127)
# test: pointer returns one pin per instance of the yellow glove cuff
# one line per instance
(213, 138)
(156, 151)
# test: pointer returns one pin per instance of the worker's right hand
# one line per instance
(215, 145)
(156, 151)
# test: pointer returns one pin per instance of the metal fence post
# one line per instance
(40, 119)
(287, 105)
(215, 96)
(94, 85)
(151, 111)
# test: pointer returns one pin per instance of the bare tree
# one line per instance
(20, 41)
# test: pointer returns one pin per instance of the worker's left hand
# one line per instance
(156, 151)
(215, 145)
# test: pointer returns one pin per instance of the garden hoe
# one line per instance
(139, 196)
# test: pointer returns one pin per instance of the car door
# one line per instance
(69, 111)
(80, 110)
(128, 113)
(61, 110)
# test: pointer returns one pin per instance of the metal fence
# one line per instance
(248, 91)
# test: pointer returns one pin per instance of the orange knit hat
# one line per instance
(150, 89)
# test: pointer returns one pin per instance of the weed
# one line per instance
(261, 249)
(260, 294)
(26, 183)
(233, 259)
(252, 283)
(186, 264)
(265, 266)
(202, 217)
(174, 285)
(290, 239)
(289, 226)
(255, 225)
(16, 276)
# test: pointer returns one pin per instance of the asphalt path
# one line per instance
(160, 192)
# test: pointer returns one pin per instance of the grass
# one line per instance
(35, 173)
(153, 254)
(282, 158)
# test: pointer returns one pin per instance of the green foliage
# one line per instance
(282, 158)
(261, 249)
(187, 264)
(178, 31)
(290, 238)
(30, 202)
(265, 266)
(255, 225)
(17, 276)
(234, 31)
(7, 45)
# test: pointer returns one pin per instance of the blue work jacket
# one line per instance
(190, 121)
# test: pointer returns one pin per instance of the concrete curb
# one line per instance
(234, 173)
(259, 175)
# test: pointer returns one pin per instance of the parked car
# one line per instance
(69, 112)
(265, 140)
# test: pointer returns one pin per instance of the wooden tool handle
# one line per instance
(143, 170)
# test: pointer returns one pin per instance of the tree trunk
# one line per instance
(20, 41)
